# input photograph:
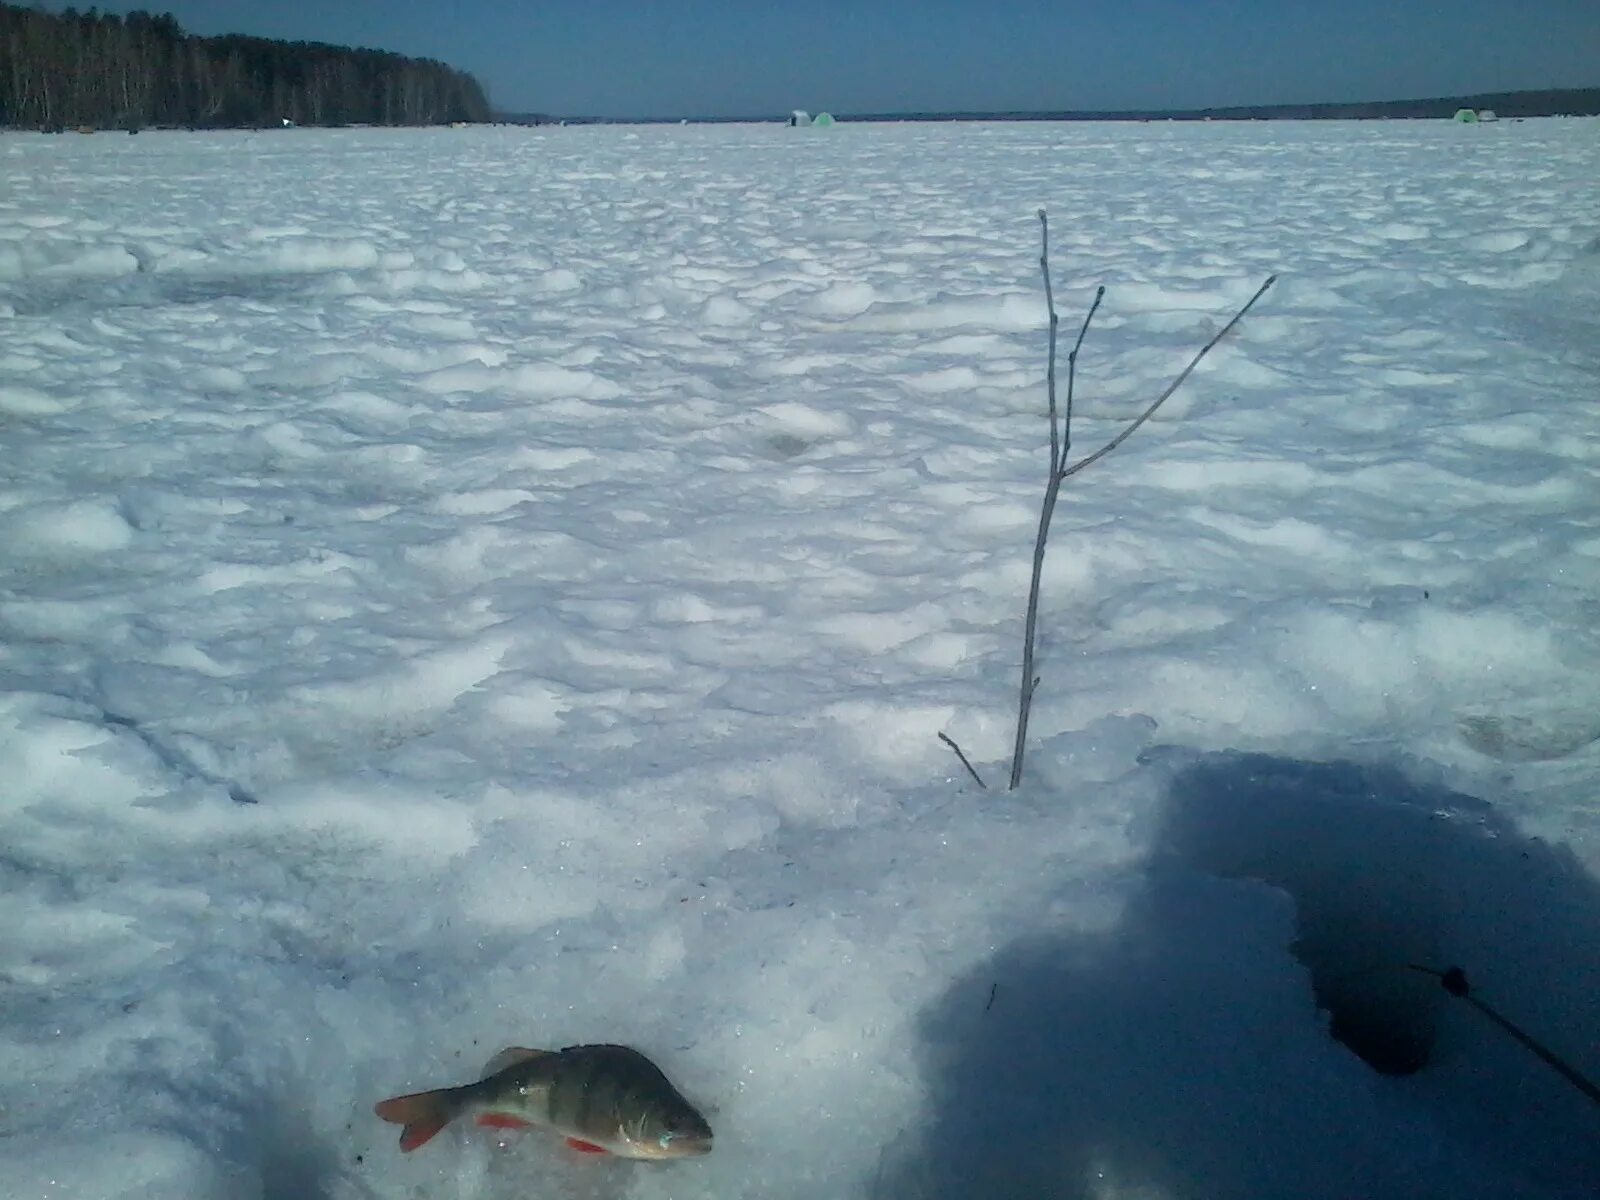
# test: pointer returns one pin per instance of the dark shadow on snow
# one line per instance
(259, 1126)
(53, 297)
(1180, 1053)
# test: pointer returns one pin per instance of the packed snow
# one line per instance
(470, 588)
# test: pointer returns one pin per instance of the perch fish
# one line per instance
(600, 1098)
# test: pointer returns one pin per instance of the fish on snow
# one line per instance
(600, 1098)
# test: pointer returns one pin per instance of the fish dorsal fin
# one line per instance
(511, 1056)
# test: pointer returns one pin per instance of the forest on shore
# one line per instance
(91, 69)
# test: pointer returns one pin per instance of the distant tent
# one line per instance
(1466, 116)
(799, 117)
(822, 120)
(1488, 114)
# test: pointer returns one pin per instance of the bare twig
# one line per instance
(1056, 450)
(1060, 438)
(1051, 488)
(971, 770)
(1072, 373)
(1060, 446)
(1172, 387)
(1030, 681)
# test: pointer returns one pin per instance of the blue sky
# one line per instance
(661, 58)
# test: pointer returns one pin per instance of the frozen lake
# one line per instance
(469, 588)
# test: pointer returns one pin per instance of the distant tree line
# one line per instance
(1550, 102)
(98, 69)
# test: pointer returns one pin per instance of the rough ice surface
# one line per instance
(501, 586)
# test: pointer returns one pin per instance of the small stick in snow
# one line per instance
(971, 770)
(1060, 445)
(1072, 372)
(1056, 450)
(1173, 386)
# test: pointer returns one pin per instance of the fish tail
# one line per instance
(422, 1113)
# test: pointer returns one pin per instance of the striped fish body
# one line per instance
(600, 1097)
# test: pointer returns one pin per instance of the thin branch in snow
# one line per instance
(971, 770)
(1060, 446)
(1173, 386)
(1056, 449)
(1072, 369)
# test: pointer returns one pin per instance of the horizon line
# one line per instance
(1459, 99)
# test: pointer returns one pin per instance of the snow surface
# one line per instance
(469, 588)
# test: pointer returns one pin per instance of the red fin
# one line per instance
(585, 1147)
(423, 1114)
(496, 1120)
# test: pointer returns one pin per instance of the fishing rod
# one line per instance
(1454, 981)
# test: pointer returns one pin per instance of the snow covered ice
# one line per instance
(465, 588)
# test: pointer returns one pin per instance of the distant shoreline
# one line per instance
(1553, 102)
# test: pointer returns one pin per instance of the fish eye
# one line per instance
(665, 1140)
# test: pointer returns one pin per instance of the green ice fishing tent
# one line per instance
(1467, 116)
(822, 120)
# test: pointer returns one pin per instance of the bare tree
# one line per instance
(1061, 470)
